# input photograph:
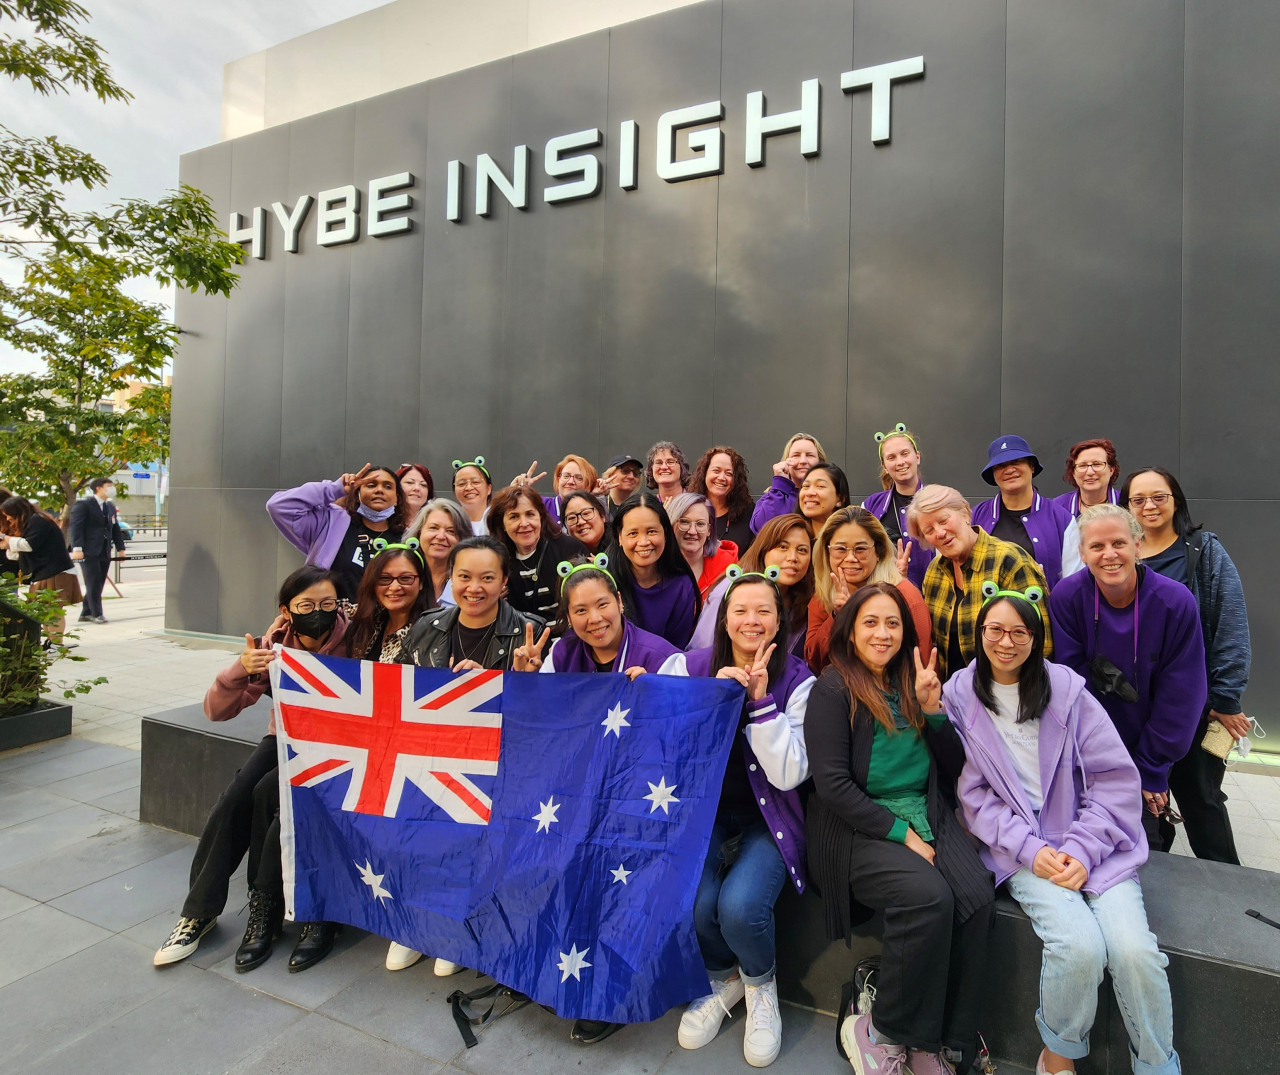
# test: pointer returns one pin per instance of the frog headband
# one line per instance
(381, 545)
(734, 573)
(1033, 594)
(477, 462)
(599, 562)
(900, 430)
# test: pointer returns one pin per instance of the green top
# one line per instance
(898, 774)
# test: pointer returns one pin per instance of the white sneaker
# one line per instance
(701, 1021)
(444, 968)
(184, 940)
(400, 957)
(764, 1025)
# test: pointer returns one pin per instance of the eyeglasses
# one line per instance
(862, 551)
(405, 581)
(470, 483)
(686, 526)
(585, 515)
(329, 604)
(1080, 468)
(1158, 499)
(993, 633)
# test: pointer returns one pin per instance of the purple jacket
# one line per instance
(775, 744)
(571, 654)
(1092, 806)
(1046, 525)
(1070, 502)
(781, 499)
(921, 553)
(1168, 673)
(310, 520)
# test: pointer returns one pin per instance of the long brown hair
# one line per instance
(370, 614)
(796, 599)
(868, 691)
(739, 501)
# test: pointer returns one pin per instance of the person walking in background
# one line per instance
(1135, 637)
(1181, 551)
(36, 546)
(667, 470)
(900, 476)
(621, 478)
(95, 531)
(473, 489)
(418, 487)
(801, 452)
(721, 476)
(1019, 514)
(692, 517)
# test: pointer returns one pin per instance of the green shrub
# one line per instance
(25, 654)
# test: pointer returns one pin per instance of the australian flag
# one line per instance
(547, 830)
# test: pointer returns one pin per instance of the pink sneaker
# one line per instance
(929, 1064)
(867, 1058)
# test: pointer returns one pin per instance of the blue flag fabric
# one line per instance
(547, 830)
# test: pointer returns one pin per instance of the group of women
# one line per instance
(905, 744)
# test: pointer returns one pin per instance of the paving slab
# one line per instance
(12, 902)
(43, 835)
(319, 1046)
(124, 803)
(134, 895)
(19, 803)
(49, 770)
(14, 759)
(107, 781)
(40, 936)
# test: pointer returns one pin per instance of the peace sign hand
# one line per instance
(839, 591)
(928, 685)
(351, 482)
(528, 658)
(904, 557)
(758, 672)
(528, 477)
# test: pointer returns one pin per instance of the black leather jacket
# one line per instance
(429, 641)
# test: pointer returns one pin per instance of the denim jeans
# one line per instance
(733, 912)
(1082, 935)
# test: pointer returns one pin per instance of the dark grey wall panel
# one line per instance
(464, 275)
(925, 275)
(658, 327)
(194, 566)
(782, 273)
(1093, 228)
(1231, 261)
(247, 576)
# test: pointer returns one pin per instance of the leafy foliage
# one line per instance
(24, 657)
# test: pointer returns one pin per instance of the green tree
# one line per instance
(70, 306)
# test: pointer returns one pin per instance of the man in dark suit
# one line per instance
(95, 530)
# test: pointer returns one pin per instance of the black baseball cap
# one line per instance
(618, 460)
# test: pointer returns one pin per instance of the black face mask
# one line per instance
(314, 624)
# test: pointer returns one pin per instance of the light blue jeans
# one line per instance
(1082, 935)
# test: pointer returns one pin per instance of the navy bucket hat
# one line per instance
(1006, 450)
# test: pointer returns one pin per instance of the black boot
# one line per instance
(590, 1031)
(313, 945)
(266, 918)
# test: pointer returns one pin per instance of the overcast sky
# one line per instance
(169, 55)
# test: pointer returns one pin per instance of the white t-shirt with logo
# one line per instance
(1022, 740)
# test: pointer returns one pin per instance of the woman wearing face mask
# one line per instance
(900, 476)
(825, 489)
(418, 488)
(440, 525)
(519, 519)
(656, 584)
(784, 542)
(1179, 550)
(801, 452)
(757, 842)
(585, 519)
(1069, 846)
(721, 476)
(853, 550)
(691, 516)
(335, 522)
(246, 816)
(36, 547)
(473, 489)
(394, 592)
(1019, 514)
(883, 835)
(667, 470)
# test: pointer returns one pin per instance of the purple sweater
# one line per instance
(667, 610)
(571, 654)
(1168, 672)
(1092, 806)
(310, 520)
(780, 499)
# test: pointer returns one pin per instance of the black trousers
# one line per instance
(1196, 783)
(246, 818)
(95, 570)
(930, 988)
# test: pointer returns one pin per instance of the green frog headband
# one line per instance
(734, 573)
(1033, 594)
(411, 545)
(477, 462)
(900, 430)
(599, 562)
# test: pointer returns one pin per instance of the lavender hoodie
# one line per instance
(1092, 807)
(310, 520)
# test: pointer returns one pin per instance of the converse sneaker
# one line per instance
(184, 940)
(444, 968)
(764, 1025)
(401, 957)
(922, 1063)
(866, 1057)
(701, 1021)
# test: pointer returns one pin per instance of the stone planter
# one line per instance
(35, 724)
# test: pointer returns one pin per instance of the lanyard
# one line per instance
(1135, 623)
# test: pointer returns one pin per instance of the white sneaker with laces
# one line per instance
(701, 1021)
(184, 940)
(444, 968)
(764, 1025)
(401, 957)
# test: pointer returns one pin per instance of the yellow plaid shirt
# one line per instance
(1000, 561)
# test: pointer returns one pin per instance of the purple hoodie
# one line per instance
(649, 651)
(780, 499)
(921, 553)
(1092, 806)
(310, 520)
(1046, 524)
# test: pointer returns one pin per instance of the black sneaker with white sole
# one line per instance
(184, 940)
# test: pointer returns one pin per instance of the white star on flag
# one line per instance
(547, 813)
(374, 881)
(621, 873)
(660, 795)
(571, 962)
(616, 720)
